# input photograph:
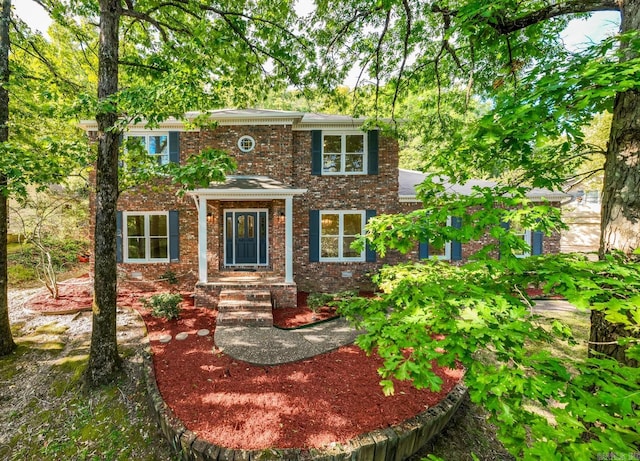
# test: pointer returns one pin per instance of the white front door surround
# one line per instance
(245, 188)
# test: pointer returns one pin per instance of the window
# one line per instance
(525, 234)
(156, 144)
(344, 153)
(146, 237)
(428, 250)
(439, 253)
(338, 230)
(246, 143)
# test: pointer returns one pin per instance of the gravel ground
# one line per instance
(40, 380)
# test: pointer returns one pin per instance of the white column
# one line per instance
(202, 240)
(288, 240)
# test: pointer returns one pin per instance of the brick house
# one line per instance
(305, 186)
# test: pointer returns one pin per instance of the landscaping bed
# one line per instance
(324, 400)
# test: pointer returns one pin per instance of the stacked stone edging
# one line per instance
(390, 444)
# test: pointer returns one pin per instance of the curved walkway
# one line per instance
(273, 346)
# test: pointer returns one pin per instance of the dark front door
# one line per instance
(246, 241)
(245, 237)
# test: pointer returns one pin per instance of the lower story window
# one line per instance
(524, 234)
(338, 230)
(147, 237)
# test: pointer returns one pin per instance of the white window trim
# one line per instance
(146, 135)
(247, 138)
(447, 248)
(125, 237)
(343, 135)
(528, 239)
(341, 213)
(233, 231)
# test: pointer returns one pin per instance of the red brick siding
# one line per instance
(350, 192)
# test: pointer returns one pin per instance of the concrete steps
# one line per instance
(248, 307)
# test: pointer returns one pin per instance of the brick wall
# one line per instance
(550, 244)
(284, 155)
(355, 192)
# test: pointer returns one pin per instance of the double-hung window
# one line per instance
(146, 237)
(338, 230)
(156, 144)
(450, 250)
(344, 153)
(524, 234)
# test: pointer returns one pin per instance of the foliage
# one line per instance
(50, 222)
(315, 301)
(479, 315)
(166, 305)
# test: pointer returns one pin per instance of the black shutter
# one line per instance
(506, 226)
(536, 242)
(456, 246)
(119, 236)
(174, 236)
(423, 250)
(372, 158)
(370, 254)
(316, 152)
(314, 236)
(174, 146)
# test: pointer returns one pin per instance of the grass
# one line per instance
(47, 414)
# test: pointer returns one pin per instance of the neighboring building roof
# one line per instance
(245, 187)
(409, 179)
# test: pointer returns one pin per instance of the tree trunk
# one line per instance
(6, 339)
(620, 222)
(104, 361)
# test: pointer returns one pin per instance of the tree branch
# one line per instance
(553, 10)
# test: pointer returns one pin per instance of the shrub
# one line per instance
(315, 301)
(167, 305)
(17, 273)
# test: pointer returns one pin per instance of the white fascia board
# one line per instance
(408, 199)
(232, 194)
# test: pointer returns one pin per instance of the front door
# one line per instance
(246, 237)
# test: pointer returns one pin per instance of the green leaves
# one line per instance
(211, 165)
(478, 316)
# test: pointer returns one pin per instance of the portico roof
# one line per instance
(247, 188)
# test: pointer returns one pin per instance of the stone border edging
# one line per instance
(390, 444)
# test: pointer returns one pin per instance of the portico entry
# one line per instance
(246, 230)
(246, 237)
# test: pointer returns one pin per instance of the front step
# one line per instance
(245, 308)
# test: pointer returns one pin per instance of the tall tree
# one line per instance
(509, 54)
(6, 339)
(179, 55)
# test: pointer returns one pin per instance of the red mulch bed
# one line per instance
(312, 403)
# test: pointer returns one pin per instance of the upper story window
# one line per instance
(146, 237)
(156, 144)
(344, 153)
(246, 143)
(338, 230)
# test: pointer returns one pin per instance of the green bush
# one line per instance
(167, 305)
(18, 273)
(315, 301)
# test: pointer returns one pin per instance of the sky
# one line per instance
(578, 33)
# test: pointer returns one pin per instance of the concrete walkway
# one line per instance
(272, 346)
(555, 305)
